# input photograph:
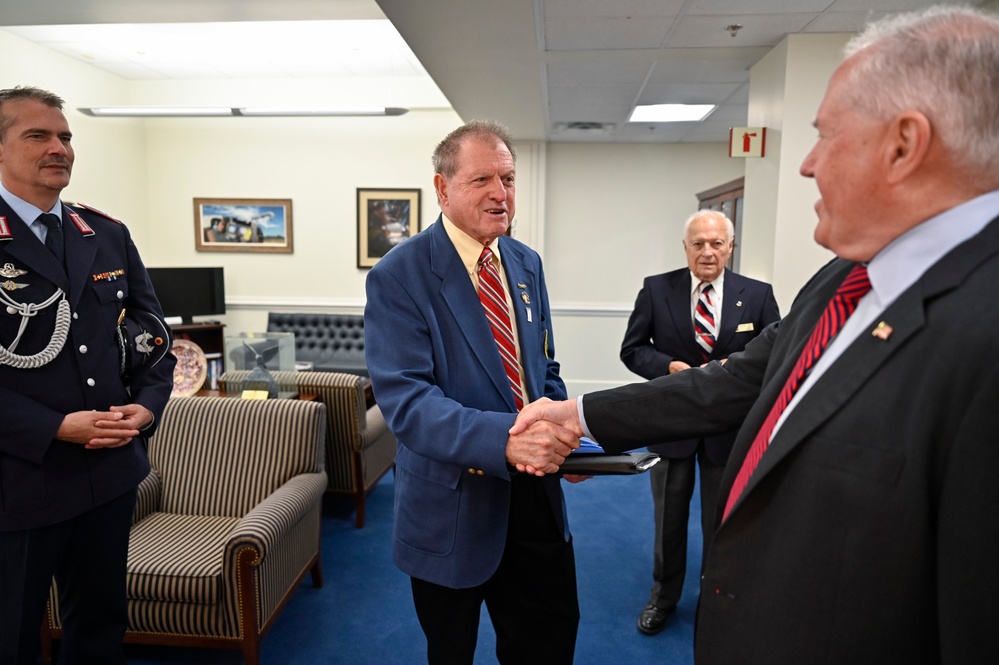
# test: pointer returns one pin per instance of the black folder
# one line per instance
(604, 464)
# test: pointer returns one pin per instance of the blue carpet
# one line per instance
(364, 613)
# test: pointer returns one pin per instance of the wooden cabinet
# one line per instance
(211, 339)
(728, 199)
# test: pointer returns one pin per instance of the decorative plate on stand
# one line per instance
(191, 369)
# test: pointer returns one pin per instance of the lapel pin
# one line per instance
(526, 298)
(521, 286)
(738, 304)
(11, 285)
(882, 331)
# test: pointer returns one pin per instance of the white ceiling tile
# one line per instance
(132, 70)
(688, 93)
(729, 114)
(757, 30)
(706, 65)
(610, 33)
(605, 9)
(560, 74)
(728, 7)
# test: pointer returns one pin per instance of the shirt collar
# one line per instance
(904, 260)
(469, 249)
(28, 212)
(718, 283)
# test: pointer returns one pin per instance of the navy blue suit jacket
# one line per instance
(43, 480)
(660, 330)
(439, 380)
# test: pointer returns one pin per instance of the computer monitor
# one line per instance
(189, 292)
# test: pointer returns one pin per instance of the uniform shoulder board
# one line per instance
(96, 212)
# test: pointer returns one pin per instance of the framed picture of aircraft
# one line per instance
(243, 225)
(385, 218)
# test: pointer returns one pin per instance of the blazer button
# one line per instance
(120, 294)
(83, 348)
(480, 472)
(472, 471)
(91, 383)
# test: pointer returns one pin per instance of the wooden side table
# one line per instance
(305, 397)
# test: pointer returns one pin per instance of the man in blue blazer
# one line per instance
(661, 339)
(72, 451)
(468, 528)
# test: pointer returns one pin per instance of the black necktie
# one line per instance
(54, 239)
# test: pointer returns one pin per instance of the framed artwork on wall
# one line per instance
(243, 225)
(385, 218)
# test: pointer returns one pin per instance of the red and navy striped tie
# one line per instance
(493, 298)
(705, 328)
(854, 287)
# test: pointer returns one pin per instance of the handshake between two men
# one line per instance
(543, 436)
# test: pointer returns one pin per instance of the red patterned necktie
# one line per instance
(839, 309)
(493, 298)
(705, 329)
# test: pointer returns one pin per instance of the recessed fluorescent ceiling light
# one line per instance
(293, 111)
(671, 112)
(211, 111)
(151, 111)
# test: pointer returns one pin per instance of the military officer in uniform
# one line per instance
(85, 373)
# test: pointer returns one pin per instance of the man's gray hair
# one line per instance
(21, 93)
(445, 157)
(709, 214)
(944, 63)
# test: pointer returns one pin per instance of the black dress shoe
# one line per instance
(652, 620)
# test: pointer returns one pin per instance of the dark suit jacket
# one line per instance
(660, 330)
(869, 531)
(440, 382)
(44, 481)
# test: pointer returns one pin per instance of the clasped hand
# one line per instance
(104, 429)
(544, 434)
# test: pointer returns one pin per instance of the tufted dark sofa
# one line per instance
(331, 342)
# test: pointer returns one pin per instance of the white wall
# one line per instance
(615, 215)
(110, 169)
(786, 88)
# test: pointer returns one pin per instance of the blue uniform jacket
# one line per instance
(42, 480)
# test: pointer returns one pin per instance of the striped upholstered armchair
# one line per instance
(359, 446)
(227, 523)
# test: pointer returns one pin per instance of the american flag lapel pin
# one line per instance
(882, 331)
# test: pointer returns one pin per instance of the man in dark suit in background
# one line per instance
(467, 529)
(859, 520)
(683, 319)
(72, 450)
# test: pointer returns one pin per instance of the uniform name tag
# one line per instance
(744, 327)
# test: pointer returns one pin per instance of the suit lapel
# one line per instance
(80, 255)
(523, 283)
(731, 314)
(463, 302)
(868, 353)
(844, 379)
(678, 304)
(26, 248)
